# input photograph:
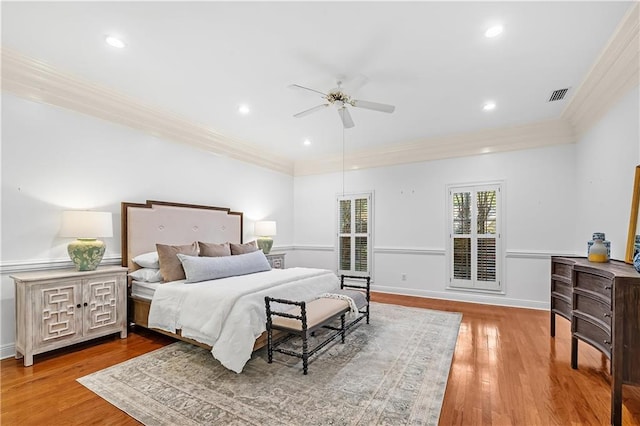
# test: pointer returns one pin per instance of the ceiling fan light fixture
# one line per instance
(244, 109)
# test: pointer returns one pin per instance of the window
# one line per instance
(474, 236)
(354, 234)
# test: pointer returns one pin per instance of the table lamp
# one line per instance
(86, 252)
(265, 229)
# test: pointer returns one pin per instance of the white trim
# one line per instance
(409, 251)
(480, 298)
(18, 266)
(525, 254)
(612, 75)
(313, 248)
(536, 135)
(7, 351)
(40, 82)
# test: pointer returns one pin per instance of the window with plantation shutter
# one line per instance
(474, 236)
(354, 234)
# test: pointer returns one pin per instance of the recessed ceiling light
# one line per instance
(494, 31)
(115, 42)
(489, 106)
(244, 109)
(307, 142)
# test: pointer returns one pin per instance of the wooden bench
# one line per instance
(304, 318)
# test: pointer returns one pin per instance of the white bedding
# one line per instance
(143, 290)
(229, 314)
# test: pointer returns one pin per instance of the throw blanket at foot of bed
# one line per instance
(229, 314)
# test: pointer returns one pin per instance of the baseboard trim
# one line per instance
(481, 299)
(7, 351)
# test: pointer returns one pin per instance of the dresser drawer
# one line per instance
(594, 283)
(561, 287)
(561, 306)
(594, 308)
(592, 333)
(561, 269)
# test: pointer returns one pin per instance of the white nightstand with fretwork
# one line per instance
(276, 260)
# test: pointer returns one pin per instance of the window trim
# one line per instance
(370, 231)
(500, 236)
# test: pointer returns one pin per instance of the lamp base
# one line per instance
(86, 253)
(265, 244)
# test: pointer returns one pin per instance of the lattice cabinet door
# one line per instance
(102, 306)
(57, 312)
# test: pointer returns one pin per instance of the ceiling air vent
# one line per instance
(558, 95)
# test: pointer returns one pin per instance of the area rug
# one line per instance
(393, 371)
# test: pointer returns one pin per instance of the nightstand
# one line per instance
(276, 260)
(62, 307)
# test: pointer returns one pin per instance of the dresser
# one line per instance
(276, 260)
(602, 301)
(63, 307)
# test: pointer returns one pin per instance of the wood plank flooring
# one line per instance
(506, 371)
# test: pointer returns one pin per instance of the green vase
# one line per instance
(86, 253)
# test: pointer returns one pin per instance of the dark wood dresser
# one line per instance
(602, 301)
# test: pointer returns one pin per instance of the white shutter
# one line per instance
(354, 234)
(474, 236)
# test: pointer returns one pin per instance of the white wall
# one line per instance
(555, 198)
(607, 156)
(410, 220)
(54, 159)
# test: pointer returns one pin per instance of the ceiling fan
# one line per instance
(341, 100)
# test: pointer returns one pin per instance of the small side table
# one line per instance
(276, 260)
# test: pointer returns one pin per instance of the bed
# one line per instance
(225, 315)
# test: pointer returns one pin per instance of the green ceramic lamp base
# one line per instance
(265, 244)
(86, 253)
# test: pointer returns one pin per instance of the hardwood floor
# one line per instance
(506, 371)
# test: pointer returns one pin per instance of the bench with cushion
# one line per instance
(304, 318)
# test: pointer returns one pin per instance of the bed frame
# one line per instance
(145, 224)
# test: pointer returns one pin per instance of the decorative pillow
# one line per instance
(148, 275)
(249, 247)
(214, 250)
(147, 260)
(170, 266)
(212, 268)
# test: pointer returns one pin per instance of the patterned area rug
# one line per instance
(393, 371)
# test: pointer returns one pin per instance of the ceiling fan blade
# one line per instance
(374, 106)
(298, 87)
(310, 110)
(347, 121)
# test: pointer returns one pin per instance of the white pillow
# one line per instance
(199, 269)
(147, 260)
(148, 275)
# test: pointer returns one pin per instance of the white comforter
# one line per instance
(229, 314)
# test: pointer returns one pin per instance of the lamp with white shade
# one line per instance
(87, 251)
(265, 229)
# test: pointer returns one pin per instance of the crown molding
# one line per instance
(40, 82)
(613, 74)
(536, 135)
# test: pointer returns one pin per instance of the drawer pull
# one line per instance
(607, 287)
(606, 342)
(606, 315)
(78, 306)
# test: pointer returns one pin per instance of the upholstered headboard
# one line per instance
(144, 225)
